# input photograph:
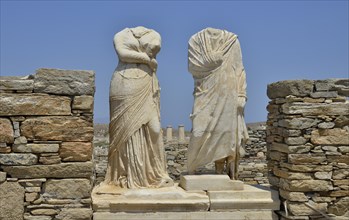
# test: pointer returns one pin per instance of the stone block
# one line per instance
(11, 201)
(76, 151)
(43, 148)
(249, 198)
(83, 102)
(306, 168)
(290, 87)
(298, 123)
(33, 104)
(63, 170)
(75, 214)
(110, 198)
(335, 136)
(16, 84)
(2, 177)
(305, 159)
(302, 209)
(331, 94)
(293, 196)
(295, 140)
(291, 175)
(311, 109)
(305, 185)
(44, 212)
(6, 130)
(64, 82)
(18, 159)
(57, 128)
(209, 182)
(50, 160)
(67, 188)
(340, 207)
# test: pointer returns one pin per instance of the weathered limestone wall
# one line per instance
(46, 133)
(308, 146)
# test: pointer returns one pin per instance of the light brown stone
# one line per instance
(316, 109)
(76, 151)
(18, 159)
(67, 188)
(2, 177)
(305, 185)
(11, 201)
(6, 131)
(305, 159)
(298, 123)
(290, 87)
(295, 140)
(50, 160)
(43, 148)
(29, 197)
(323, 175)
(16, 84)
(57, 128)
(338, 158)
(302, 209)
(340, 174)
(334, 136)
(75, 214)
(291, 175)
(34, 104)
(83, 102)
(63, 170)
(340, 207)
(293, 196)
(44, 212)
(307, 168)
(64, 82)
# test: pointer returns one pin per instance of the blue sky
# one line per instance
(280, 40)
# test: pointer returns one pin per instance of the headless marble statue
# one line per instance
(136, 155)
(219, 130)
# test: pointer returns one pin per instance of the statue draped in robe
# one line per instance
(136, 155)
(219, 131)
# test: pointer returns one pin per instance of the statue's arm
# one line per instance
(241, 76)
(126, 47)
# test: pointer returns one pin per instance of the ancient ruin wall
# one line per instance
(308, 147)
(252, 169)
(46, 133)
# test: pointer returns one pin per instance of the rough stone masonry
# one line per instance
(308, 147)
(46, 133)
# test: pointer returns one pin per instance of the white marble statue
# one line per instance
(136, 154)
(219, 131)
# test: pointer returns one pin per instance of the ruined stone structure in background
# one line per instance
(252, 169)
(46, 133)
(308, 147)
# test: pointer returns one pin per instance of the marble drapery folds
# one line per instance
(219, 130)
(136, 155)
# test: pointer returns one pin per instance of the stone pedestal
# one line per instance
(209, 182)
(202, 199)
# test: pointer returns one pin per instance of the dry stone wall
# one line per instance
(308, 147)
(46, 133)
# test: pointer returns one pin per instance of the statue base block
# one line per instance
(199, 202)
(209, 182)
(109, 198)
